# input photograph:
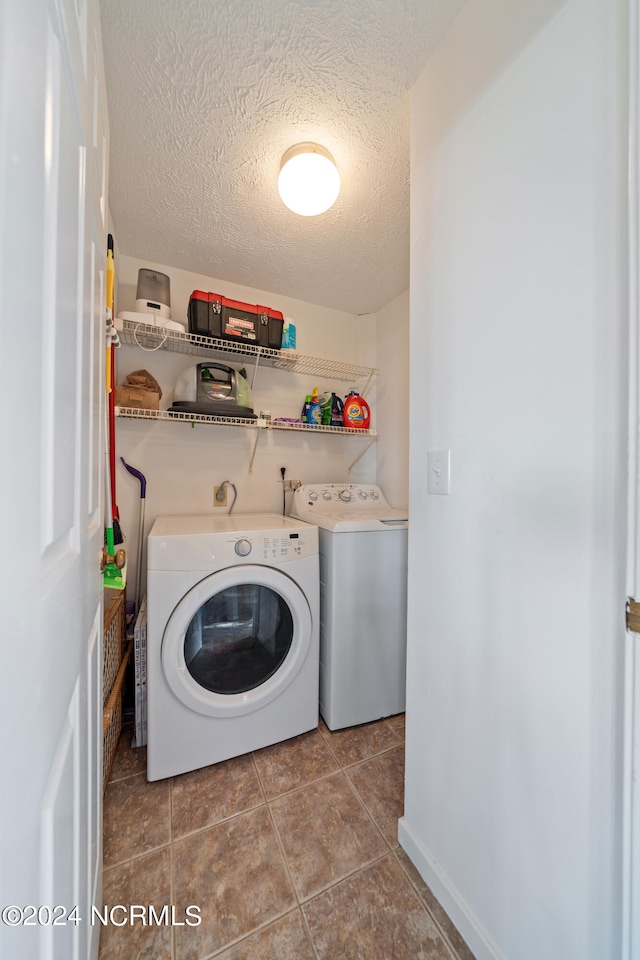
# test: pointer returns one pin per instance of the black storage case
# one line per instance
(211, 315)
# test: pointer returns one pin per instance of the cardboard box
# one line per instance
(138, 397)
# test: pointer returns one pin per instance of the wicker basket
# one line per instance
(110, 739)
(114, 638)
(114, 666)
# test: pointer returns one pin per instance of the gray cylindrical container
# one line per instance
(153, 286)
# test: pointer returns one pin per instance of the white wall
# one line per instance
(182, 464)
(516, 580)
(392, 415)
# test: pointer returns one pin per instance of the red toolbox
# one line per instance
(211, 315)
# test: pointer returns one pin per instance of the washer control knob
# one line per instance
(374, 494)
(326, 495)
(313, 495)
(363, 494)
(243, 548)
(345, 495)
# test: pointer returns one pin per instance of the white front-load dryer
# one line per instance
(232, 637)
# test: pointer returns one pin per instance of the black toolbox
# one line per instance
(212, 315)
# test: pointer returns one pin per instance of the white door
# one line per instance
(631, 813)
(53, 150)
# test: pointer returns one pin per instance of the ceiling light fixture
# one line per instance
(309, 182)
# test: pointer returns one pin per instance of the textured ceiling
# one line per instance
(206, 95)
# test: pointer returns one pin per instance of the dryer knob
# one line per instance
(243, 548)
(345, 495)
(313, 495)
(326, 495)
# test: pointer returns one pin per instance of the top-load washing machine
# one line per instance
(232, 637)
(363, 600)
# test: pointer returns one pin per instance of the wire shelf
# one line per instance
(313, 428)
(135, 413)
(151, 338)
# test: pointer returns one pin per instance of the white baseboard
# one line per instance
(447, 896)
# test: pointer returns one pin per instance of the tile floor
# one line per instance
(290, 852)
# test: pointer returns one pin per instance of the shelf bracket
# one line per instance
(361, 454)
(369, 379)
(255, 372)
(255, 447)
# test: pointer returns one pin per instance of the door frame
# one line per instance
(631, 717)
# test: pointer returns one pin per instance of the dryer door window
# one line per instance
(238, 638)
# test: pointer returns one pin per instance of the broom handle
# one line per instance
(110, 284)
(112, 432)
(110, 540)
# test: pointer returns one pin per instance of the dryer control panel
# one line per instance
(206, 542)
(282, 546)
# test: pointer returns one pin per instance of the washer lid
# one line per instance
(362, 524)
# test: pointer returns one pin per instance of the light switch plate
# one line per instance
(439, 468)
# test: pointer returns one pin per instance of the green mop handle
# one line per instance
(111, 547)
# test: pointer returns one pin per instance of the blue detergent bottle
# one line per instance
(314, 413)
(304, 416)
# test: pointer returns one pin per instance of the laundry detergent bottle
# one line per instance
(356, 412)
(331, 410)
(304, 416)
(325, 403)
(314, 413)
(337, 411)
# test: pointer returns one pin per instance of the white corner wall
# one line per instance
(392, 396)
(516, 580)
